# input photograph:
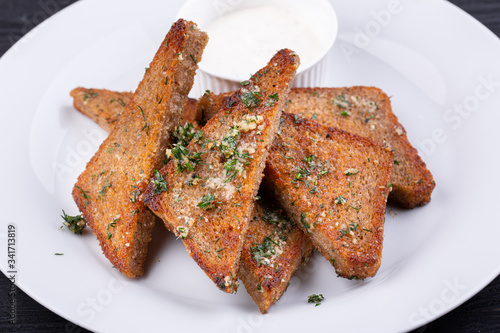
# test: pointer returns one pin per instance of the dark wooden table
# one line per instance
(17, 17)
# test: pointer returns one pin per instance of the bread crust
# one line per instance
(109, 191)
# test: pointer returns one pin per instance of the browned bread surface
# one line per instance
(101, 105)
(209, 104)
(334, 185)
(109, 191)
(105, 106)
(365, 111)
(205, 193)
(274, 250)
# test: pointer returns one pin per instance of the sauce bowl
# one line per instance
(245, 34)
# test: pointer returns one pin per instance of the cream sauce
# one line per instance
(244, 41)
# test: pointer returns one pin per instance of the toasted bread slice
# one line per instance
(101, 105)
(274, 250)
(334, 186)
(205, 193)
(105, 106)
(365, 111)
(108, 192)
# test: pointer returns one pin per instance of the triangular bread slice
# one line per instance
(334, 186)
(205, 194)
(274, 250)
(105, 106)
(109, 191)
(365, 111)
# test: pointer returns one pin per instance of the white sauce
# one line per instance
(242, 42)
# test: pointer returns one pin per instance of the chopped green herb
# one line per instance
(272, 99)
(340, 200)
(84, 195)
(105, 186)
(342, 102)
(251, 98)
(159, 183)
(316, 299)
(74, 223)
(88, 94)
(351, 172)
(183, 232)
(182, 158)
(343, 232)
(184, 134)
(264, 252)
(207, 202)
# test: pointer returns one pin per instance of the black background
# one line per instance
(480, 314)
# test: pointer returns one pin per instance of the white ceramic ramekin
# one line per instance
(318, 14)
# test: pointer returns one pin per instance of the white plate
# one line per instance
(440, 66)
